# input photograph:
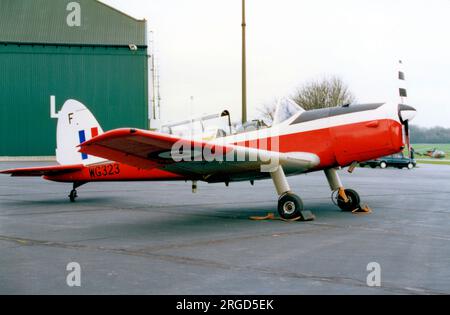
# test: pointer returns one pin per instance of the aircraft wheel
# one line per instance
(290, 206)
(73, 195)
(353, 202)
(383, 164)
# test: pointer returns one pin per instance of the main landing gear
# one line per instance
(290, 206)
(346, 199)
(73, 193)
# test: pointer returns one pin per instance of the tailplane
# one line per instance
(76, 124)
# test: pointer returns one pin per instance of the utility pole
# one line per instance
(244, 68)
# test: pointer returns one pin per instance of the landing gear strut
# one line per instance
(346, 199)
(73, 193)
(290, 206)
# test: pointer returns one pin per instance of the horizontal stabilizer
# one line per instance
(44, 171)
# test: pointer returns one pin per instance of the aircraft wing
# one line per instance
(147, 149)
(43, 171)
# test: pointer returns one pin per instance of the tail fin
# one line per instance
(76, 124)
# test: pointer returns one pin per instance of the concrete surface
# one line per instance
(159, 238)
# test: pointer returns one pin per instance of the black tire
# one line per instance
(73, 195)
(290, 206)
(352, 204)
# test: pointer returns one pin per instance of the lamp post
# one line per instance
(244, 68)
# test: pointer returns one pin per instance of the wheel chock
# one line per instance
(306, 215)
(363, 209)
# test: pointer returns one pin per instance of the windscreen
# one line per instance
(286, 108)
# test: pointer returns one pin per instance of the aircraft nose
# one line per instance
(406, 112)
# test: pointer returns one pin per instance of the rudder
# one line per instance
(76, 124)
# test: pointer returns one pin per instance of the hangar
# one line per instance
(81, 49)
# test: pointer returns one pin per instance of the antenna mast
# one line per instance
(152, 56)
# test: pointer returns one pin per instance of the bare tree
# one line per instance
(327, 92)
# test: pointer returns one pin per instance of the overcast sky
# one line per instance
(198, 44)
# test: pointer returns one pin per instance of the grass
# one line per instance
(433, 161)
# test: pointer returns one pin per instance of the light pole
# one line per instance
(244, 68)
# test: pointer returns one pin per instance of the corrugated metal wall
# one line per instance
(45, 21)
(111, 80)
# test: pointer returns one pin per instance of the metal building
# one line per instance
(81, 49)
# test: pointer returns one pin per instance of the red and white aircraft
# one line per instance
(298, 142)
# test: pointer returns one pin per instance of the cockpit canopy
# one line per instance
(210, 127)
(286, 109)
(207, 127)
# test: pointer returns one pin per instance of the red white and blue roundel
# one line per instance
(82, 137)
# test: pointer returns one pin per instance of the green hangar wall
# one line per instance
(81, 49)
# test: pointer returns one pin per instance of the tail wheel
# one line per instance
(352, 203)
(73, 195)
(290, 206)
(383, 164)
